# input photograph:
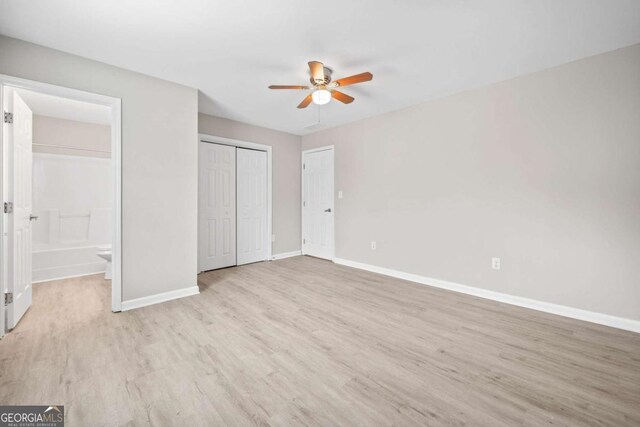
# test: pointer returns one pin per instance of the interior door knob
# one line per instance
(32, 217)
(328, 210)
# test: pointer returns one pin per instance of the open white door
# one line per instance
(217, 206)
(317, 203)
(252, 205)
(19, 156)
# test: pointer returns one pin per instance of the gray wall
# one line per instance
(286, 174)
(94, 138)
(159, 161)
(542, 171)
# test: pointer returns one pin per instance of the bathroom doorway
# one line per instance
(61, 191)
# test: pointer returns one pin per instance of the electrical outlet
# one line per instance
(495, 263)
(373, 245)
(340, 194)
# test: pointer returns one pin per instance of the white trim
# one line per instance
(302, 225)
(315, 150)
(115, 104)
(158, 298)
(69, 147)
(245, 144)
(55, 156)
(3, 261)
(54, 90)
(65, 271)
(116, 245)
(64, 248)
(561, 310)
(99, 273)
(284, 255)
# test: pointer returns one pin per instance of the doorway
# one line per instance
(61, 190)
(318, 208)
(234, 203)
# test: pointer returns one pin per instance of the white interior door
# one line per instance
(317, 204)
(19, 138)
(252, 205)
(217, 206)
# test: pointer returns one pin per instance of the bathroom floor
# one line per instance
(303, 341)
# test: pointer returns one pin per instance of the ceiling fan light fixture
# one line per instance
(321, 96)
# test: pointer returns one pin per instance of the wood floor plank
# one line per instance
(303, 341)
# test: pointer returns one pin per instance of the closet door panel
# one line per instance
(217, 206)
(252, 205)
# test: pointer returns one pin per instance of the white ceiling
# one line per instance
(63, 108)
(417, 50)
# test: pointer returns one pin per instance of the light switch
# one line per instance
(340, 194)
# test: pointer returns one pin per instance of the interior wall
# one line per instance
(286, 174)
(159, 161)
(542, 171)
(93, 140)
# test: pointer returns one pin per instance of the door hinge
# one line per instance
(8, 298)
(304, 165)
(304, 204)
(8, 207)
(8, 117)
(304, 241)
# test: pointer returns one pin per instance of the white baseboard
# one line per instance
(286, 255)
(158, 298)
(562, 310)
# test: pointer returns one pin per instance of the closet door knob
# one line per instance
(328, 210)
(32, 217)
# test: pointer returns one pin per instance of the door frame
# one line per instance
(213, 139)
(302, 186)
(115, 104)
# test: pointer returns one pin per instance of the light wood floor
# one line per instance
(304, 342)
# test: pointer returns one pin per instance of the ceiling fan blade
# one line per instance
(351, 80)
(305, 102)
(342, 97)
(317, 70)
(287, 87)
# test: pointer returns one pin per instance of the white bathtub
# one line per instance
(71, 197)
(50, 263)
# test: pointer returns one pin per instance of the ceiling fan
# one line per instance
(323, 88)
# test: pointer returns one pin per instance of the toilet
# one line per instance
(104, 252)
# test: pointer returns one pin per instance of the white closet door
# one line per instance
(217, 210)
(252, 206)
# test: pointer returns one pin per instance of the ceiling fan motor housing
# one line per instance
(327, 78)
